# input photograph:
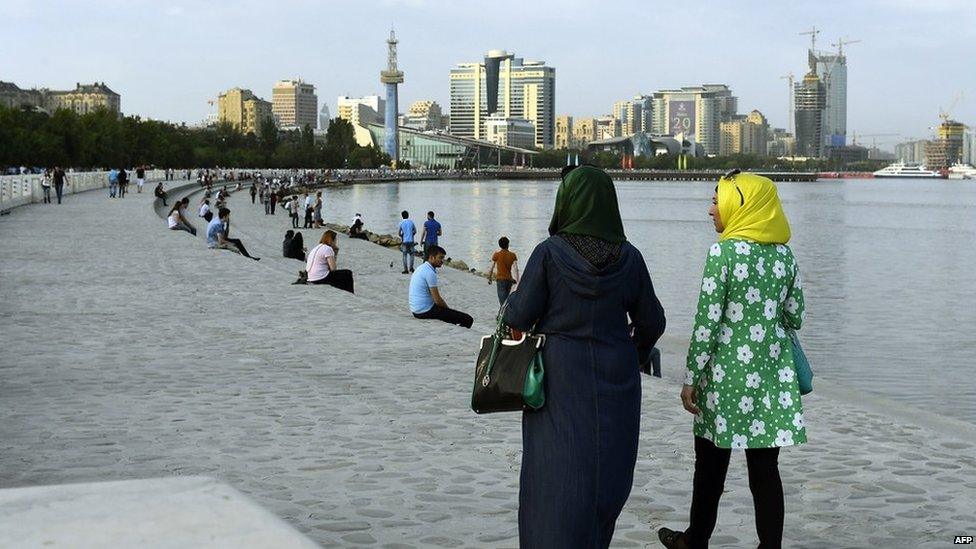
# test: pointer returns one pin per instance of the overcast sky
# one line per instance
(167, 59)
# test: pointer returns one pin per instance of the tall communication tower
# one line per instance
(392, 77)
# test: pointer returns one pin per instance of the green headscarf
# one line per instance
(586, 203)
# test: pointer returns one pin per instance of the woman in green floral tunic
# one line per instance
(740, 381)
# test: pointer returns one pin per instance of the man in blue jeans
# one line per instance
(425, 299)
(407, 232)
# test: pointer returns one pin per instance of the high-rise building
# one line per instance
(584, 132)
(243, 110)
(506, 85)
(564, 131)
(510, 131)
(325, 118)
(362, 110)
(294, 104)
(809, 99)
(946, 149)
(745, 135)
(832, 71)
(629, 114)
(969, 147)
(635, 115)
(695, 112)
(424, 115)
(85, 98)
(780, 143)
(607, 127)
(911, 151)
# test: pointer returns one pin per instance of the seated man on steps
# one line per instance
(217, 235)
(425, 299)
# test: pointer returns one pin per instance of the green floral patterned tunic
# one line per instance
(741, 358)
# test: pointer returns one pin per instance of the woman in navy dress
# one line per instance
(588, 290)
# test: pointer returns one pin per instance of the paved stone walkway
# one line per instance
(130, 351)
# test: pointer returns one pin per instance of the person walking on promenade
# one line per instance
(113, 182)
(46, 186)
(254, 192)
(506, 263)
(123, 182)
(266, 200)
(321, 265)
(218, 232)
(274, 201)
(425, 299)
(407, 232)
(740, 381)
(60, 180)
(578, 288)
(294, 208)
(317, 210)
(432, 229)
(307, 202)
(140, 178)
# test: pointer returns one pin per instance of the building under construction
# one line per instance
(809, 97)
(946, 149)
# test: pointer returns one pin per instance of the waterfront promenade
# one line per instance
(130, 351)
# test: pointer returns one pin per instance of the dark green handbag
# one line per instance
(804, 374)
(508, 376)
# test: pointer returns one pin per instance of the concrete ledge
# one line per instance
(165, 512)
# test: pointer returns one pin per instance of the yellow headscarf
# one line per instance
(750, 208)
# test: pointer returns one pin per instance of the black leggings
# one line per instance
(711, 465)
(341, 279)
(240, 246)
(447, 315)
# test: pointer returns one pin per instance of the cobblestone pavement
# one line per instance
(130, 351)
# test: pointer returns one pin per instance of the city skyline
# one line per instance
(908, 53)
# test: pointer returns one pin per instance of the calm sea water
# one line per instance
(888, 265)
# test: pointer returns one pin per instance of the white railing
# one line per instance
(17, 190)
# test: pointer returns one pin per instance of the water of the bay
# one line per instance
(888, 265)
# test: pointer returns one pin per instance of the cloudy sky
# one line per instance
(167, 59)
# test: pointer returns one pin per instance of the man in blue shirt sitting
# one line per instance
(425, 298)
(432, 229)
(217, 235)
(407, 232)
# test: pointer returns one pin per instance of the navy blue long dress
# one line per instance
(579, 450)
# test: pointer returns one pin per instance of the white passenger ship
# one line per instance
(906, 169)
(962, 171)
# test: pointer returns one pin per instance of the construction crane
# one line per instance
(789, 123)
(839, 44)
(813, 32)
(945, 113)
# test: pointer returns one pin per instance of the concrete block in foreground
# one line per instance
(163, 512)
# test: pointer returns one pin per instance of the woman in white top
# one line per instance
(176, 222)
(321, 264)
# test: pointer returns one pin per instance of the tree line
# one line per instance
(101, 139)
